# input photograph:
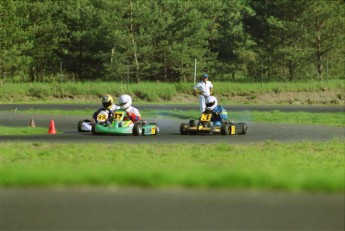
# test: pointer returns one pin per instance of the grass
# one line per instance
(312, 166)
(76, 92)
(4, 130)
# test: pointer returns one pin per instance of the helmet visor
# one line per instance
(210, 104)
(106, 104)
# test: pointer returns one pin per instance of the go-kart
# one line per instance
(118, 126)
(205, 126)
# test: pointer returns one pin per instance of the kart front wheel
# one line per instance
(93, 129)
(225, 129)
(137, 129)
(79, 125)
(183, 129)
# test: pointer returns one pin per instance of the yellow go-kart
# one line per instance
(205, 126)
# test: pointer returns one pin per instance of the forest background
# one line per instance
(171, 40)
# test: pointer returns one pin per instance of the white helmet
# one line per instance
(125, 101)
(211, 102)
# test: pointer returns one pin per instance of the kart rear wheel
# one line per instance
(244, 128)
(225, 129)
(137, 129)
(183, 128)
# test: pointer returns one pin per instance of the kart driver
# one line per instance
(218, 112)
(203, 89)
(132, 113)
(107, 105)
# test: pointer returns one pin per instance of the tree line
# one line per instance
(171, 40)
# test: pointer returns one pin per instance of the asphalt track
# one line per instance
(169, 128)
(168, 209)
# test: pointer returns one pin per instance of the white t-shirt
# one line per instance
(204, 88)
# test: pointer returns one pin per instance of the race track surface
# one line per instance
(168, 209)
(169, 128)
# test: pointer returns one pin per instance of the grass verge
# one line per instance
(4, 130)
(311, 166)
(77, 92)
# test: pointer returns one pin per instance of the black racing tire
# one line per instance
(79, 125)
(183, 128)
(93, 129)
(244, 127)
(138, 129)
(225, 129)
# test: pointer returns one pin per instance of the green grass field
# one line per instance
(311, 166)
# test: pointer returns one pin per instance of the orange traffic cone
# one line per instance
(32, 123)
(52, 127)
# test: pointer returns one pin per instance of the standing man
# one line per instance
(203, 89)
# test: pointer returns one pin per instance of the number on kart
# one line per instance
(153, 130)
(101, 117)
(118, 116)
(205, 117)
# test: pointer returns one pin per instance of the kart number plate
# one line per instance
(205, 117)
(102, 116)
(119, 115)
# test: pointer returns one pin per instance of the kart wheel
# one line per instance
(79, 125)
(93, 129)
(225, 129)
(137, 129)
(183, 129)
(244, 128)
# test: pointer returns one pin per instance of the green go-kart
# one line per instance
(118, 126)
